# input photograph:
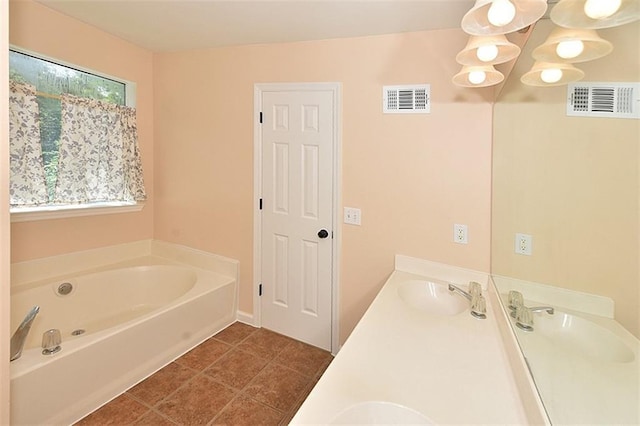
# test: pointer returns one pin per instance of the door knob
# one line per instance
(323, 233)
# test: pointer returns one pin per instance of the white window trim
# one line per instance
(130, 90)
(28, 214)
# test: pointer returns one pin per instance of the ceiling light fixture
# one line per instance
(492, 17)
(478, 76)
(489, 50)
(571, 45)
(594, 14)
(501, 13)
(551, 74)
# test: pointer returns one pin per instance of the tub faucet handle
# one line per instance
(51, 341)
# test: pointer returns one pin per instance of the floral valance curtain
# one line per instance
(99, 157)
(27, 185)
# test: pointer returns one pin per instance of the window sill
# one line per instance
(28, 214)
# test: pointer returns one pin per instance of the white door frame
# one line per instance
(336, 89)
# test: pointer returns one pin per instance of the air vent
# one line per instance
(413, 99)
(612, 100)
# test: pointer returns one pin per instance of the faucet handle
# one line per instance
(478, 306)
(475, 289)
(515, 300)
(51, 341)
(524, 318)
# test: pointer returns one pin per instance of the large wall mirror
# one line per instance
(572, 184)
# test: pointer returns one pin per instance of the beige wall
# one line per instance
(5, 257)
(572, 183)
(413, 176)
(41, 30)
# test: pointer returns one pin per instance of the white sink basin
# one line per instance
(380, 412)
(431, 297)
(581, 336)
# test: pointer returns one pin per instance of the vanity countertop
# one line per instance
(453, 369)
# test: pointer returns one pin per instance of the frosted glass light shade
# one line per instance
(476, 21)
(567, 74)
(571, 14)
(468, 74)
(594, 46)
(506, 50)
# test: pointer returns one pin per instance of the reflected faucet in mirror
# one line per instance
(522, 314)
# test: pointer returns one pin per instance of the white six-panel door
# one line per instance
(297, 211)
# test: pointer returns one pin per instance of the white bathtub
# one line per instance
(137, 316)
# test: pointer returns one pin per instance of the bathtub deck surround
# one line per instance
(151, 304)
(242, 375)
(427, 364)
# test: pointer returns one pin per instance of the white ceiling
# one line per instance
(171, 25)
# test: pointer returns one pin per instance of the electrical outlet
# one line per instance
(524, 244)
(352, 216)
(460, 234)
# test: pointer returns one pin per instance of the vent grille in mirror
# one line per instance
(612, 100)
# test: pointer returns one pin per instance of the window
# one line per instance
(54, 85)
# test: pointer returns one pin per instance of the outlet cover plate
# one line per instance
(352, 216)
(460, 234)
(523, 244)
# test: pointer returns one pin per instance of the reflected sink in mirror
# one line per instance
(380, 412)
(582, 337)
(431, 297)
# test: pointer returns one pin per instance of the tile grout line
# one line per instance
(201, 373)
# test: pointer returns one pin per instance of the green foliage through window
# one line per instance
(52, 80)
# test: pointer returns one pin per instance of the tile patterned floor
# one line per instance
(240, 376)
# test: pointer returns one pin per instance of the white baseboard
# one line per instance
(246, 318)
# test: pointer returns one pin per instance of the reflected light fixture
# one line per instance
(594, 14)
(477, 76)
(600, 9)
(572, 45)
(491, 17)
(570, 49)
(551, 74)
(488, 50)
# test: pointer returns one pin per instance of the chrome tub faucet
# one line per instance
(20, 336)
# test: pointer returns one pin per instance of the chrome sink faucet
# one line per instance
(548, 309)
(475, 298)
(20, 336)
